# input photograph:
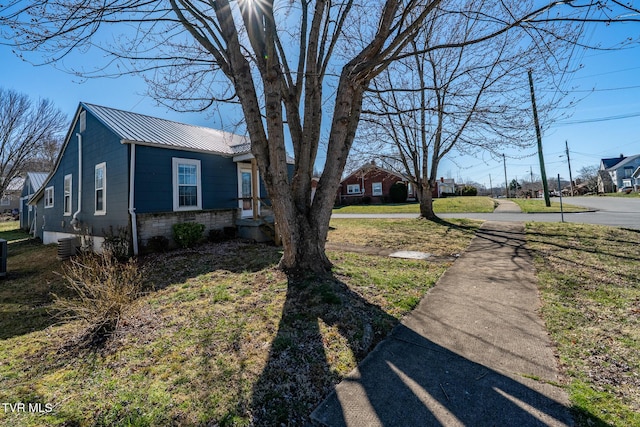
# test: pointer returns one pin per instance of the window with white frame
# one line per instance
(628, 171)
(5, 200)
(100, 204)
(83, 121)
(376, 189)
(353, 189)
(187, 185)
(67, 195)
(48, 197)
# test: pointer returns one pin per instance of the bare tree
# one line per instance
(289, 65)
(468, 98)
(589, 176)
(26, 132)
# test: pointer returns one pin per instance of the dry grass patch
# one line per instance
(589, 281)
(464, 204)
(439, 238)
(226, 339)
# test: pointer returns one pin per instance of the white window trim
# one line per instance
(175, 161)
(103, 211)
(5, 200)
(48, 205)
(373, 190)
(350, 189)
(68, 177)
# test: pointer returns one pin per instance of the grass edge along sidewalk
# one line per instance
(587, 275)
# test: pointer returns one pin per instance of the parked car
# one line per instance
(625, 190)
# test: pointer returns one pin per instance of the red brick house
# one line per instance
(369, 184)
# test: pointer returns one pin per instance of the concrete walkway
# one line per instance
(473, 353)
(506, 206)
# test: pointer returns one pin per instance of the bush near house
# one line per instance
(398, 192)
(469, 190)
(187, 234)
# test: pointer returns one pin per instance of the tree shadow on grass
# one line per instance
(407, 380)
(25, 292)
(318, 312)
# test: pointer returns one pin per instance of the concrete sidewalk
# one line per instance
(506, 206)
(473, 353)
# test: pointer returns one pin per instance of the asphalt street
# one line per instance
(614, 211)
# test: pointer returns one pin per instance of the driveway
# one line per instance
(614, 211)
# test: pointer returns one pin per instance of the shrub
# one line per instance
(469, 190)
(103, 290)
(187, 234)
(398, 192)
(217, 235)
(158, 244)
(116, 243)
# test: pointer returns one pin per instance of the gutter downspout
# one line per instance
(132, 209)
(74, 220)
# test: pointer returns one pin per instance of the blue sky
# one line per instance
(608, 80)
(604, 123)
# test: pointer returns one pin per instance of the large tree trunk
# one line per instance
(425, 197)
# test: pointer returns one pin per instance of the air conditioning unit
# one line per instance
(67, 247)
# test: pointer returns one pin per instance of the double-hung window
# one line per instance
(376, 189)
(67, 195)
(353, 189)
(187, 184)
(101, 189)
(48, 197)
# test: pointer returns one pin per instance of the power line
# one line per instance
(598, 119)
(610, 89)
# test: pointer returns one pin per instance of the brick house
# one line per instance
(369, 183)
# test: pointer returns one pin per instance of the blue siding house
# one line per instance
(122, 171)
(32, 183)
(617, 174)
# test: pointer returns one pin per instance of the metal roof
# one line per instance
(609, 163)
(142, 129)
(16, 184)
(624, 162)
(37, 179)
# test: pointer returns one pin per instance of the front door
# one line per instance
(245, 190)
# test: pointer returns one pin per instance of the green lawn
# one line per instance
(588, 276)
(224, 339)
(633, 194)
(463, 204)
(538, 206)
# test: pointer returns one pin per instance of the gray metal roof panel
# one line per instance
(134, 127)
(15, 184)
(37, 179)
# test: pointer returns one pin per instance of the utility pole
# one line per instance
(490, 185)
(506, 183)
(543, 172)
(566, 144)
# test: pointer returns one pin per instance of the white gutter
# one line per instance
(74, 220)
(132, 209)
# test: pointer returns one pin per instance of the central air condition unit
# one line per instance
(67, 247)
